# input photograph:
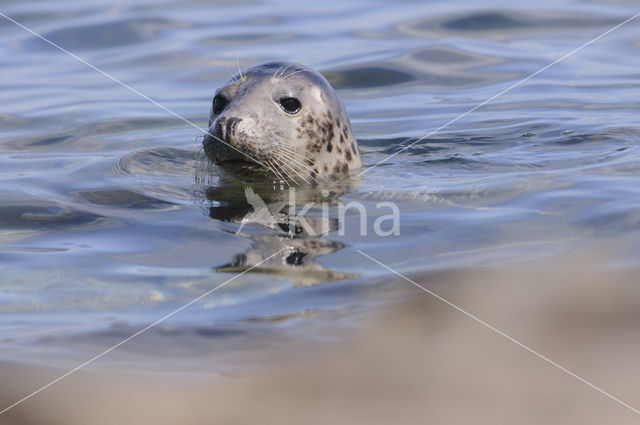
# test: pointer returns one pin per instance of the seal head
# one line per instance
(284, 117)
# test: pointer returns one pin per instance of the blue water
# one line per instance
(110, 218)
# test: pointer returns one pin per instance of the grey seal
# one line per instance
(284, 117)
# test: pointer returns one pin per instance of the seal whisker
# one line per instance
(270, 168)
(240, 73)
(308, 172)
(284, 70)
(293, 156)
(298, 159)
(292, 178)
(299, 169)
(303, 175)
(293, 73)
(275, 74)
(287, 147)
(298, 155)
(281, 167)
(276, 170)
(283, 162)
(302, 167)
(198, 155)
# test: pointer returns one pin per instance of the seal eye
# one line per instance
(219, 103)
(291, 105)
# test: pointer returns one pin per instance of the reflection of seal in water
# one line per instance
(286, 117)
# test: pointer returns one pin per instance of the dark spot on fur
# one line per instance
(348, 155)
(342, 140)
(338, 123)
(315, 143)
(326, 168)
(339, 150)
(344, 132)
(329, 146)
(341, 167)
(329, 130)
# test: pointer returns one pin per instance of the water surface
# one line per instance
(110, 218)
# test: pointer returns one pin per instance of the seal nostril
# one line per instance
(217, 130)
(231, 125)
(224, 128)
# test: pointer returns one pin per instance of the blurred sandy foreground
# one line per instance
(420, 362)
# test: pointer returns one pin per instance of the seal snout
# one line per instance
(225, 128)
(222, 143)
